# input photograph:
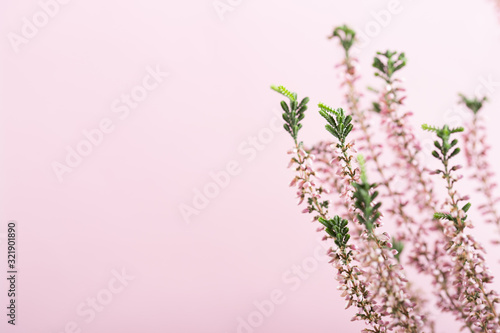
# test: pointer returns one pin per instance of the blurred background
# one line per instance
(143, 156)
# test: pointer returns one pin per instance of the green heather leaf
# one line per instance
(473, 104)
(304, 101)
(284, 106)
(455, 152)
(457, 130)
(377, 63)
(443, 216)
(426, 127)
(285, 92)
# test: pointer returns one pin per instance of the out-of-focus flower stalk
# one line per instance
(435, 261)
(476, 153)
(411, 232)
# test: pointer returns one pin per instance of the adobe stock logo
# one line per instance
(48, 9)
(222, 7)
(294, 277)
(93, 306)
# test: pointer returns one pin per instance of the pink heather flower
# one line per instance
(351, 279)
(470, 299)
(411, 231)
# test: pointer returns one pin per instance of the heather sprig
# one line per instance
(474, 104)
(476, 151)
(422, 254)
(373, 149)
(428, 258)
(306, 176)
(351, 278)
(293, 111)
(470, 272)
(401, 136)
(403, 142)
(346, 35)
(388, 63)
(339, 124)
(390, 286)
(337, 229)
(302, 160)
(364, 201)
(368, 261)
(376, 251)
(445, 151)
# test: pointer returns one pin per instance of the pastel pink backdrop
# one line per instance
(120, 207)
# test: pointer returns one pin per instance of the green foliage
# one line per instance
(285, 92)
(337, 228)
(398, 246)
(376, 107)
(445, 150)
(364, 200)
(346, 35)
(443, 216)
(388, 63)
(444, 147)
(449, 217)
(339, 124)
(473, 104)
(362, 167)
(293, 111)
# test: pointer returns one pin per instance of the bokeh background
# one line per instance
(216, 268)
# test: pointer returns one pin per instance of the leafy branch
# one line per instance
(444, 152)
(346, 35)
(339, 124)
(293, 111)
(473, 104)
(337, 228)
(388, 63)
(364, 201)
(444, 133)
(398, 246)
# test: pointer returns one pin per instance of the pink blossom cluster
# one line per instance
(470, 275)
(355, 289)
(352, 280)
(429, 259)
(388, 289)
(387, 282)
(435, 232)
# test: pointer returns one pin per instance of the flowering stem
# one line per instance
(470, 269)
(476, 151)
(355, 289)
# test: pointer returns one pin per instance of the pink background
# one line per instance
(120, 207)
